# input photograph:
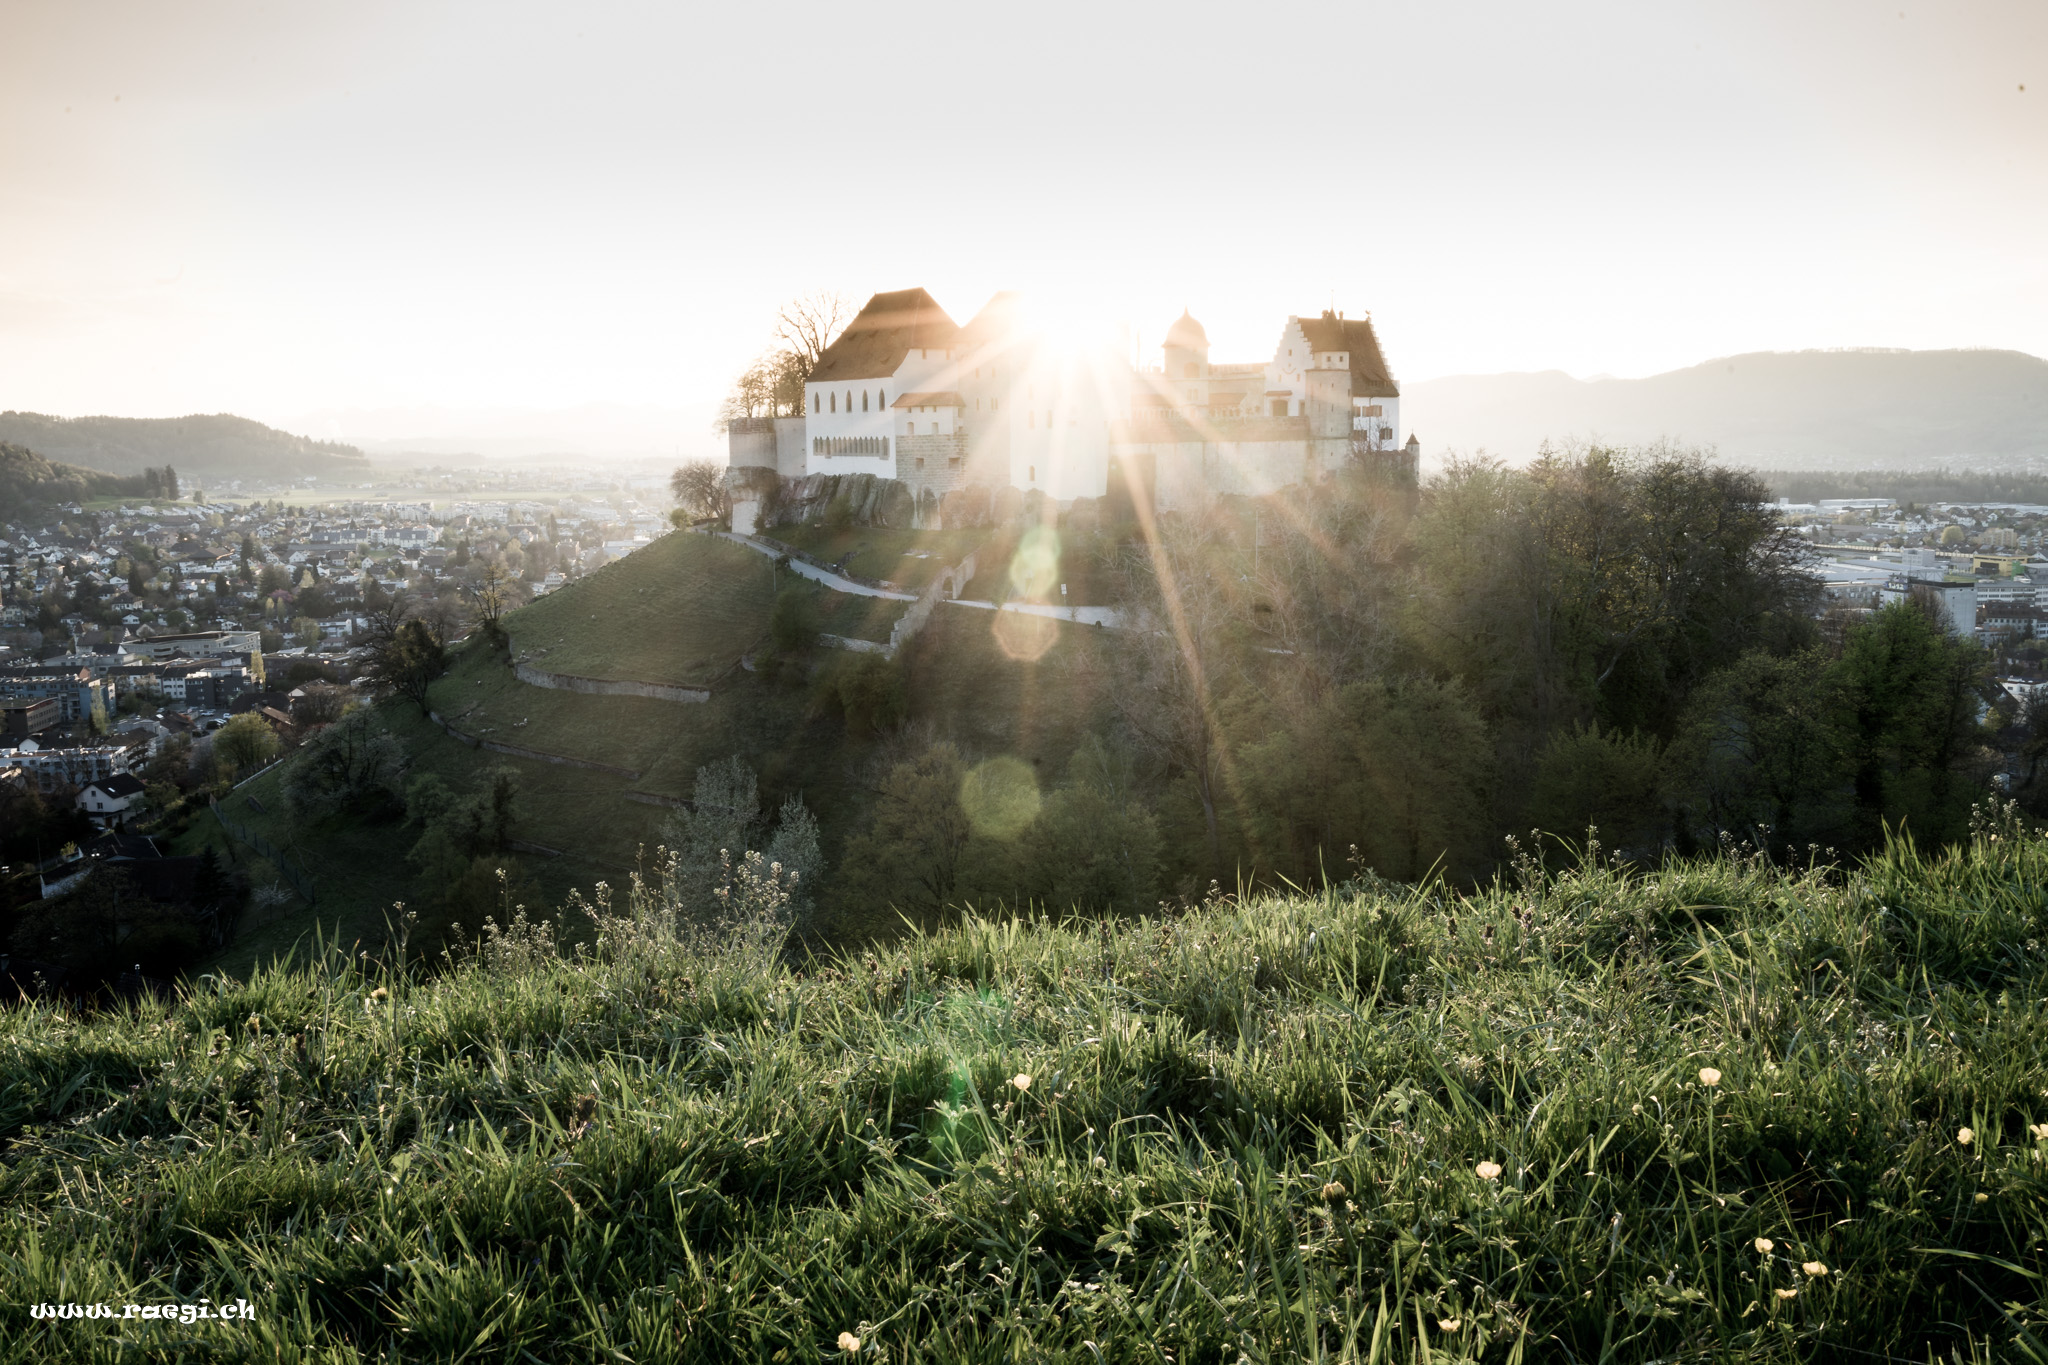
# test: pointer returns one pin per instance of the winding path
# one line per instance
(816, 574)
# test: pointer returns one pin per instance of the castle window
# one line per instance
(881, 398)
(1031, 473)
(849, 400)
(863, 400)
(952, 462)
(835, 402)
(814, 402)
(920, 462)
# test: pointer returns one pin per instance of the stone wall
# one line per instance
(932, 463)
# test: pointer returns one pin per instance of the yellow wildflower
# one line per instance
(1765, 1246)
(1815, 1269)
(1488, 1170)
(1709, 1076)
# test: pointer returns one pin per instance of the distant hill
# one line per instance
(27, 480)
(1785, 410)
(199, 448)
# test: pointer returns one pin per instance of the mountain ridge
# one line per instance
(200, 446)
(1824, 408)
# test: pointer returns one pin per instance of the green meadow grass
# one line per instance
(1383, 1124)
(679, 611)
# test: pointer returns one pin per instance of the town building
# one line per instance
(111, 801)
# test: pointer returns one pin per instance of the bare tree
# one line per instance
(752, 395)
(806, 326)
(773, 386)
(699, 488)
(491, 594)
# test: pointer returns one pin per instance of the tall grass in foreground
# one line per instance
(1721, 1111)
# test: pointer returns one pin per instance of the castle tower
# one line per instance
(1187, 361)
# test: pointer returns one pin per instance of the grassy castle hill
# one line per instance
(1723, 1110)
(683, 611)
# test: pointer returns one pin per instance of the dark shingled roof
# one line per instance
(120, 785)
(1369, 375)
(890, 327)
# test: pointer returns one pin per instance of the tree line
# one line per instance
(1617, 648)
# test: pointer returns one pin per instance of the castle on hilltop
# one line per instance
(906, 394)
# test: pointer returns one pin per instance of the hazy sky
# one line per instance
(287, 208)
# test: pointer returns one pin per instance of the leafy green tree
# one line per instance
(1590, 778)
(1093, 845)
(869, 691)
(1401, 771)
(1764, 751)
(243, 743)
(1910, 695)
(911, 855)
(406, 661)
(350, 763)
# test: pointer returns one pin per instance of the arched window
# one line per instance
(881, 398)
(1193, 369)
(849, 400)
(1031, 473)
(835, 402)
(863, 400)
(814, 402)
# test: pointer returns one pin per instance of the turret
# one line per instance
(1187, 360)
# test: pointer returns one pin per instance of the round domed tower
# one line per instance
(1187, 361)
(1187, 349)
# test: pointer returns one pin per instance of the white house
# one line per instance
(111, 800)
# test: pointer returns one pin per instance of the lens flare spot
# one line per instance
(1023, 637)
(1036, 565)
(1000, 797)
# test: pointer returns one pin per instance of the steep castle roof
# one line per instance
(890, 327)
(1000, 319)
(1369, 375)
